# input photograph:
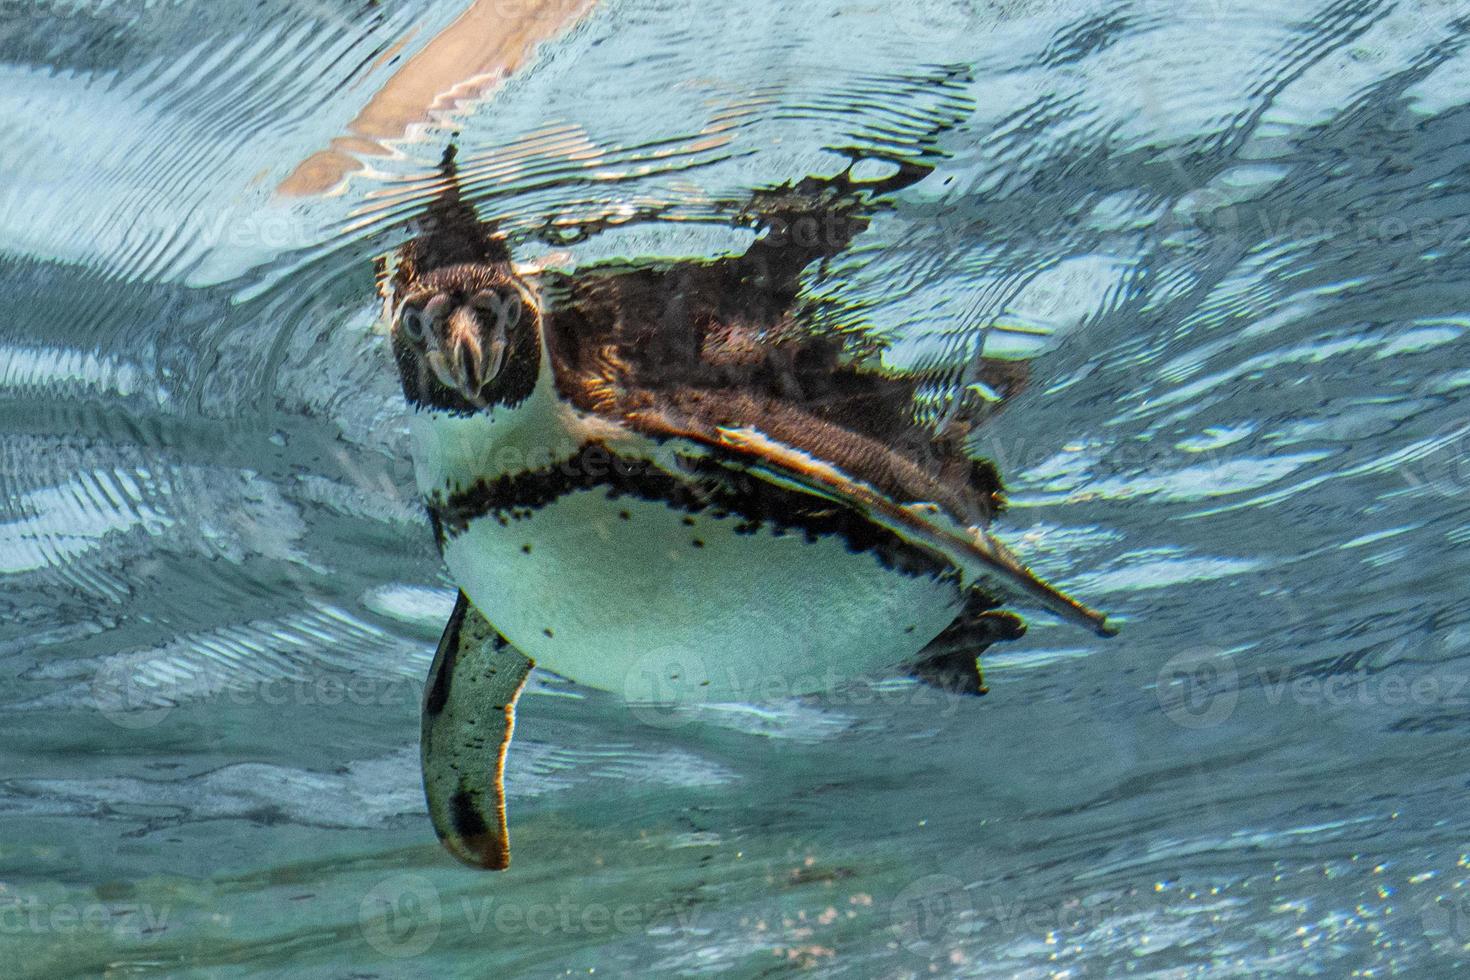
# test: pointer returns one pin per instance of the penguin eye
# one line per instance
(413, 324)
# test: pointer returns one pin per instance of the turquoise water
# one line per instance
(1231, 240)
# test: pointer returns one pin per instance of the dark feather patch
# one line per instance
(469, 823)
(437, 695)
(717, 342)
(450, 231)
(722, 489)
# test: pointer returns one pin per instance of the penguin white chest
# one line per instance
(607, 569)
(605, 588)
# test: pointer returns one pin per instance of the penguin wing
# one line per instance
(887, 489)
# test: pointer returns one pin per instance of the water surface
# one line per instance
(1230, 238)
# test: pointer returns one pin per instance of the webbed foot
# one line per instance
(951, 661)
(468, 717)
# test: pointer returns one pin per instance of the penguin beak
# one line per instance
(468, 359)
(493, 354)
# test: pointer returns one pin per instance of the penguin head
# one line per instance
(467, 338)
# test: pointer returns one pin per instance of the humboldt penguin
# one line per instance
(660, 477)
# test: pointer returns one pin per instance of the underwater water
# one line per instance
(1231, 239)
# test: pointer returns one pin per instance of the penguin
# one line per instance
(658, 475)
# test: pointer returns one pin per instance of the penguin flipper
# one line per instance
(468, 718)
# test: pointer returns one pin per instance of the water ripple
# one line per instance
(1222, 246)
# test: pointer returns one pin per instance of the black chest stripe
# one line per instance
(708, 487)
